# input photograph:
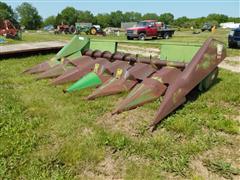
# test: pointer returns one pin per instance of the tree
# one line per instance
(132, 17)
(167, 18)
(234, 19)
(29, 16)
(69, 15)
(181, 21)
(6, 12)
(116, 18)
(51, 20)
(150, 16)
(85, 16)
(103, 20)
(220, 18)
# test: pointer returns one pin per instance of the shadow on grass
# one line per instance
(28, 54)
(191, 96)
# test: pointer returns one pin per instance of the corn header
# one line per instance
(178, 70)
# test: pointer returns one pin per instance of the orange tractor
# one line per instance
(8, 30)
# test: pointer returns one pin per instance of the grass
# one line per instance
(46, 134)
(222, 168)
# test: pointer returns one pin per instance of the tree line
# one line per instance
(26, 15)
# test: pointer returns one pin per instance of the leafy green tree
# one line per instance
(167, 18)
(29, 16)
(85, 16)
(104, 20)
(181, 21)
(199, 22)
(132, 17)
(220, 18)
(6, 12)
(51, 20)
(59, 19)
(150, 16)
(116, 18)
(234, 19)
(69, 15)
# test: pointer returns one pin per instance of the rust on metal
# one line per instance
(149, 90)
(80, 71)
(56, 70)
(124, 80)
(38, 68)
(203, 63)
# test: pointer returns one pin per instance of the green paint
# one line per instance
(177, 52)
(134, 91)
(107, 83)
(75, 55)
(89, 80)
(77, 44)
(206, 83)
(144, 97)
(103, 46)
(206, 61)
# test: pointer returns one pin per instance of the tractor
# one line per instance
(8, 30)
(89, 28)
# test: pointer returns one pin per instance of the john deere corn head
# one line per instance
(179, 69)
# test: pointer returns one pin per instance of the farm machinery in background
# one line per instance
(78, 28)
(149, 29)
(178, 70)
(8, 30)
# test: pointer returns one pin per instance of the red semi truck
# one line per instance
(149, 28)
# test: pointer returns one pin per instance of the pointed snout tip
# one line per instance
(65, 91)
(115, 112)
(90, 97)
(152, 127)
(24, 72)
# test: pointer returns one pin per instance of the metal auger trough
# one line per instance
(178, 70)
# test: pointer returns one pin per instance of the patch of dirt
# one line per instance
(231, 63)
(111, 167)
(201, 171)
(131, 122)
(233, 117)
(228, 153)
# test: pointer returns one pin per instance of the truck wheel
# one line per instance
(93, 31)
(230, 45)
(141, 37)
(206, 83)
(129, 38)
(166, 36)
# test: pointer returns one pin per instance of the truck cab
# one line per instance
(148, 28)
(234, 38)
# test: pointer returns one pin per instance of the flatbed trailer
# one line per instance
(149, 29)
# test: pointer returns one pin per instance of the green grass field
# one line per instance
(46, 134)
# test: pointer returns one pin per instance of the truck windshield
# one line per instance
(142, 24)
